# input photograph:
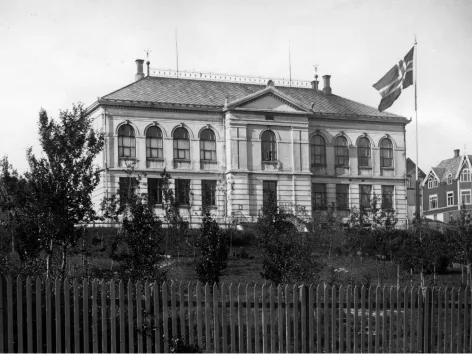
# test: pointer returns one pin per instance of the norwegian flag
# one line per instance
(398, 78)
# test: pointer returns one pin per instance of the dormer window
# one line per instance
(449, 178)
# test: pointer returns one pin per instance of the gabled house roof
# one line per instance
(451, 166)
(411, 169)
(187, 93)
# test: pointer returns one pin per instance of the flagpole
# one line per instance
(418, 201)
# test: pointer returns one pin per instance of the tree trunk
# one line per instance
(48, 259)
(64, 259)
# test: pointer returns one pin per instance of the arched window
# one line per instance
(386, 153)
(126, 141)
(363, 152)
(341, 152)
(154, 143)
(465, 175)
(318, 151)
(269, 146)
(207, 145)
(449, 178)
(181, 144)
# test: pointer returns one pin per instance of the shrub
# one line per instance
(424, 250)
(212, 251)
(286, 254)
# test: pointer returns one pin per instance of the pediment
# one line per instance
(268, 99)
(270, 102)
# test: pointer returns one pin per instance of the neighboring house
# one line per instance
(447, 187)
(228, 144)
(411, 189)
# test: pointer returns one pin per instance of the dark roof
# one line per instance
(447, 166)
(411, 168)
(201, 93)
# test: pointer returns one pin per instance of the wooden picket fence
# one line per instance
(45, 315)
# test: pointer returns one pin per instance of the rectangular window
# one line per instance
(182, 149)
(465, 176)
(387, 197)
(318, 196)
(128, 186)
(365, 192)
(450, 198)
(342, 196)
(465, 196)
(154, 191)
(268, 188)
(208, 193)
(182, 191)
(341, 156)
(208, 150)
(433, 201)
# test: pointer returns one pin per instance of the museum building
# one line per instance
(228, 141)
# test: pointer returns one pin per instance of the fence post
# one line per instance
(280, 318)
(341, 327)
(272, 319)
(304, 317)
(19, 312)
(75, 287)
(240, 320)
(199, 313)
(48, 316)
(10, 313)
(29, 313)
(311, 328)
(57, 301)
(427, 322)
(224, 325)
(113, 347)
(2, 316)
(207, 318)
(104, 306)
(248, 320)
(67, 318)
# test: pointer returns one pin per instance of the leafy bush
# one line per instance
(424, 250)
(286, 254)
(212, 251)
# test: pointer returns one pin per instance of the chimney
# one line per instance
(314, 84)
(327, 87)
(456, 152)
(148, 63)
(139, 70)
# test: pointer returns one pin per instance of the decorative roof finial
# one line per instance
(315, 68)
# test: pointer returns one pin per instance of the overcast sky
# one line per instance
(55, 53)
